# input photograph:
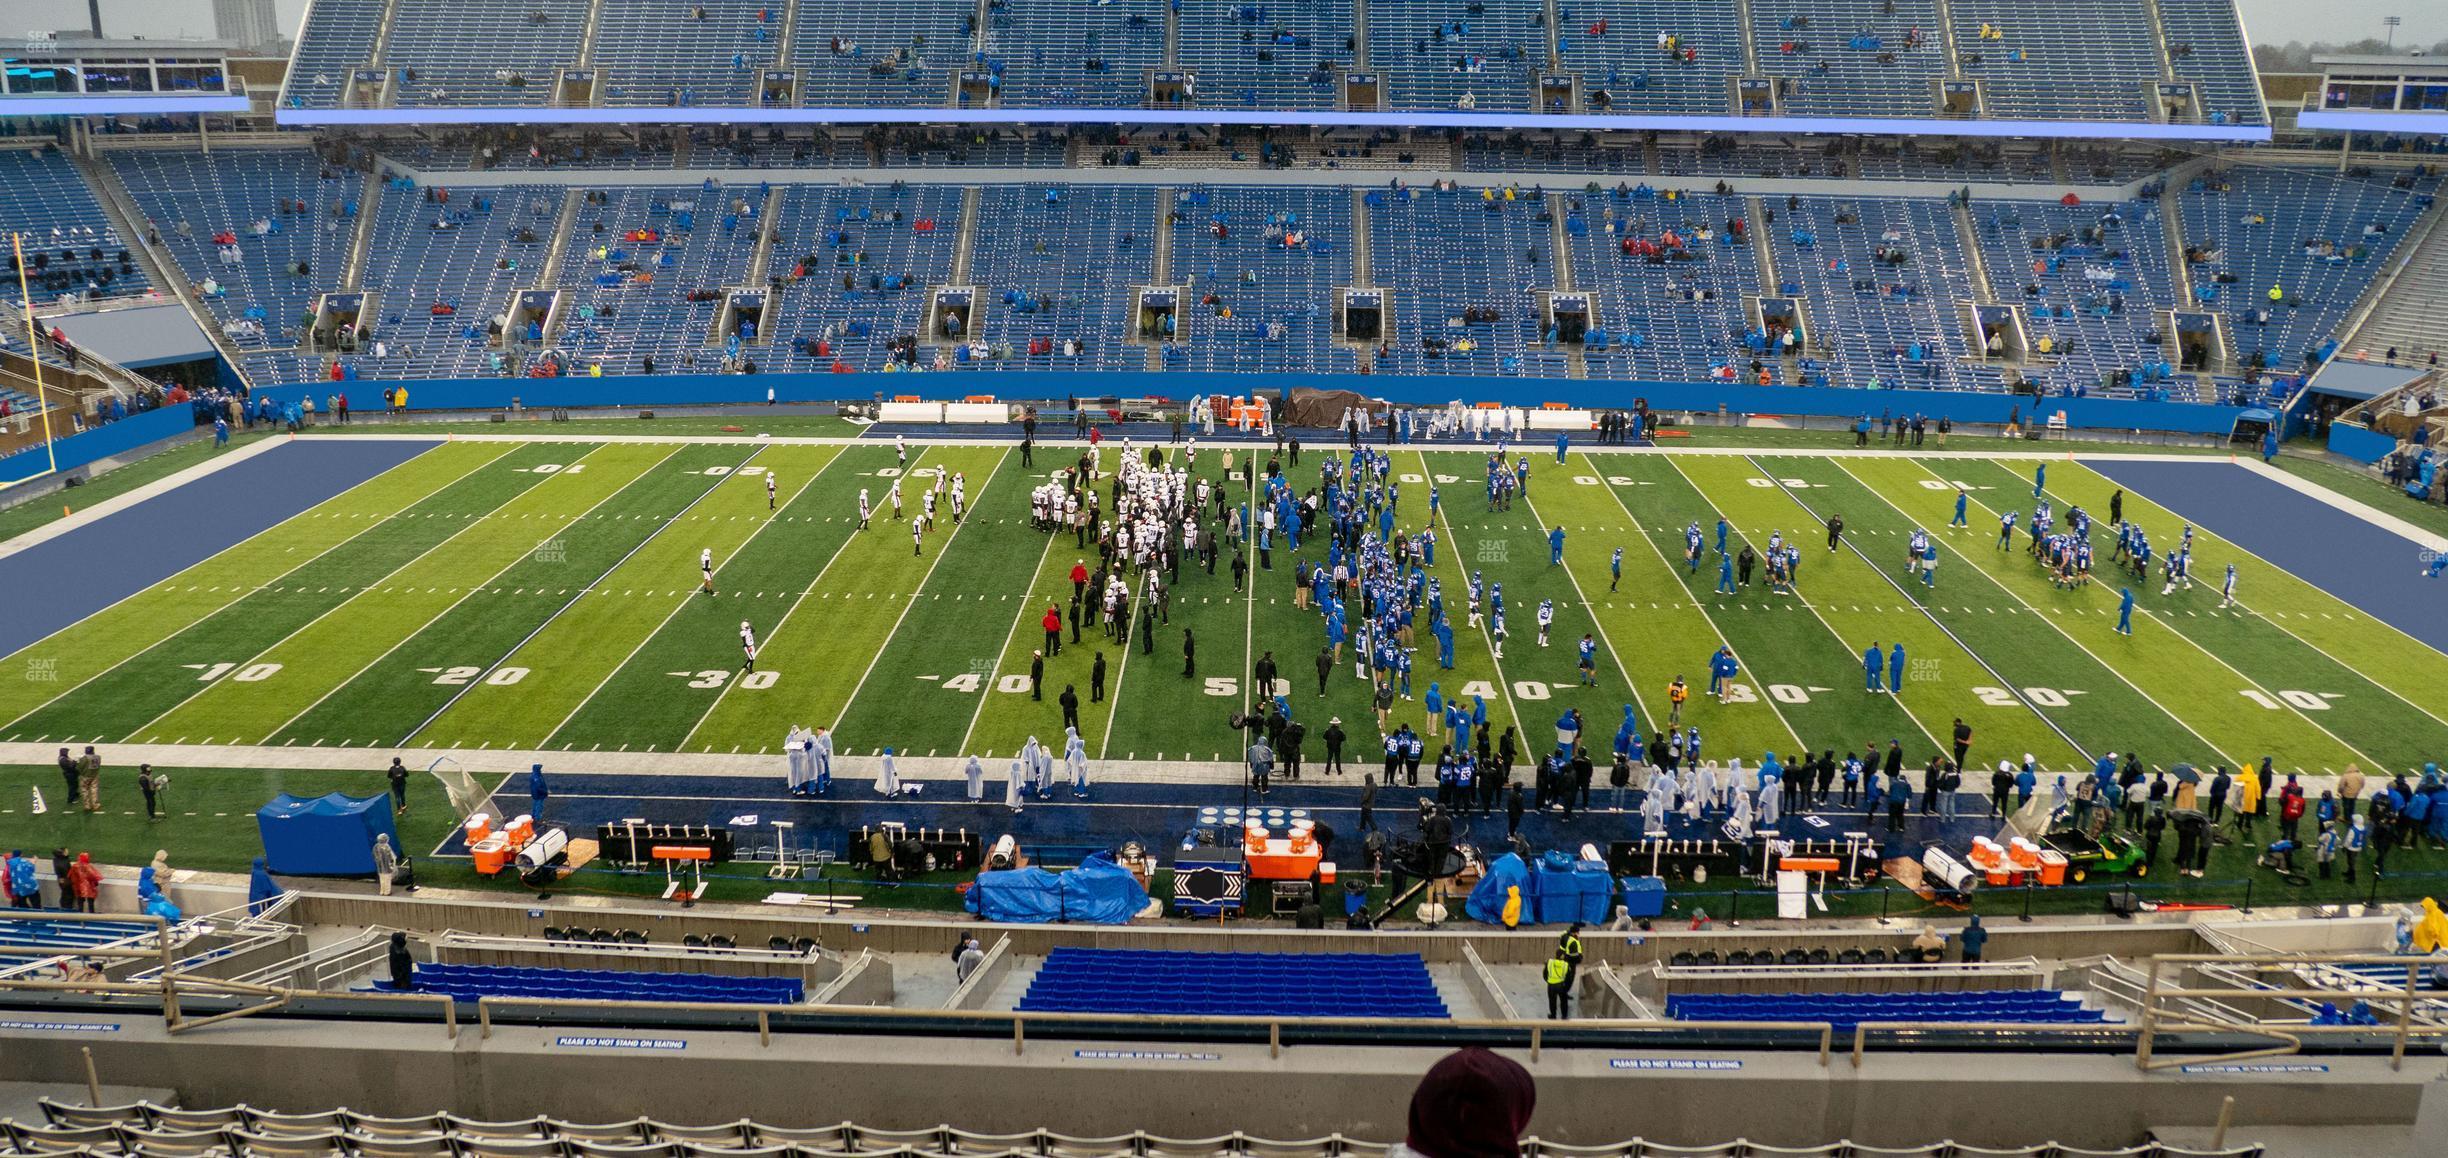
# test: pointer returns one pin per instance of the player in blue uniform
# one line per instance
(1555, 546)
(1615, 570)
(2006, 525)
(2227, 589)
(1589, 661)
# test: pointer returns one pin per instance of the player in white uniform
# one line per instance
(895, 496)
(864, 509)
(2227, 589)
(748, 647)
(926, 508)
(771, 492)
(705, 568)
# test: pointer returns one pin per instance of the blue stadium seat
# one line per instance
(1180, 983)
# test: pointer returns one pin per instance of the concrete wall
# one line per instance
(1585, 1096)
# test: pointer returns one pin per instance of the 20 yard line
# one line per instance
(573, 600)
(470, 593)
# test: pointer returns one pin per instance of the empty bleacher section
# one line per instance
(337, 40)
(1670, 282)
(708, 52)
(1070, 54)
(469, 982)
(1639, 74)
(445, 269)
(856, 263)
(2081, 60)
(1284, 54)
(643, 269)
(2074, 59)
(521, 48)
(1145, 981)
(2205, 42)
(253, 287)
(851, 53)
(1448, 54)
(70, 246)
(1458, 267)
(2090, 278)
(2315, 237)
(1053, 263)
(1883, 284)
(1845, 1010)
(1850, 58)
(1261, 267)
(42, 938)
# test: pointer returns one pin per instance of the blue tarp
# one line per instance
(1029, 896)
(1098, 892)
(1487, 898)
(1101, 892)
(324, 836)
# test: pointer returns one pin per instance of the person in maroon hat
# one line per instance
(1472, 1104)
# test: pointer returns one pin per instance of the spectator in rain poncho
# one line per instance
(1771, 801)
(155, 876)
(888, 778)
(1663, 786)
(1701, 795)
(1739, 824)
(262, 890)
(1653, 811)
(1013, 781)
(1075, 759)
(977, 780)
(386, 863)
(1029, 754)
(820, 756)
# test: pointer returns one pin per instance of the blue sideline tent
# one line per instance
(324, 836)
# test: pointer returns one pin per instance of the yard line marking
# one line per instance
(471, 593)
(1841, 645)
(2298, 713)
(557, 612)
(2181, 722)
(1487, 623)
(319, 618)
(1597, 628)
(1924, 610)
(987, 689)
(674, 613)
(410, 501)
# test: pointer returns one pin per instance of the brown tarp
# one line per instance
(1326, 407)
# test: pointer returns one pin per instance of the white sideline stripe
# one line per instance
(468, 523)
(237, 596)
(117, 503)
(2429, 540)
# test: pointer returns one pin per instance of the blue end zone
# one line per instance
(54, 584)
(2373, 569)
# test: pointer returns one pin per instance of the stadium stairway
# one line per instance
(2408, 310)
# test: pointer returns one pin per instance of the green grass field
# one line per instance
(544, 595)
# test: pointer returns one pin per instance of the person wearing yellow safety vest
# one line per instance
(1559, 986)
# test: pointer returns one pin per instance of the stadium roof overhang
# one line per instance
(1490, 121)
(144, 104)
(2375, 121)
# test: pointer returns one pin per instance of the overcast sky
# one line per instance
(2269, 21)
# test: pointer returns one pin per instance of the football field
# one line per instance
(493, 593)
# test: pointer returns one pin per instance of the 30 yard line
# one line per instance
(1027, 588)
(581, 593)
(371, 525)
(942, 549)
(470, 593)
(684, 600)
